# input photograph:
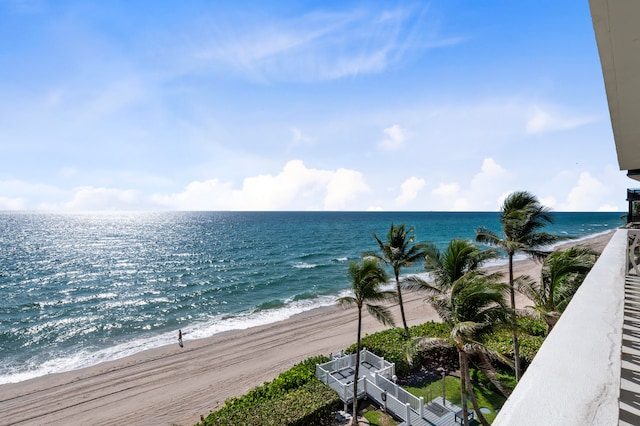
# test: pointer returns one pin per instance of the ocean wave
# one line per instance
(262, 315)
(579, 239)
(304, 265)
(216, 282)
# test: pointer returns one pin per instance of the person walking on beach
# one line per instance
(180, 337)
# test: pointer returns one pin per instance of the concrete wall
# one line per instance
(575, 377)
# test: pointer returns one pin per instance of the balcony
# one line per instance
(587, 372)
(633, 197)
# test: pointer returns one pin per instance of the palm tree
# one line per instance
(446, 267)
(521, 217)
(365, 281)
(561, 276)
(398, 251)
(472, 305)
(460, 257)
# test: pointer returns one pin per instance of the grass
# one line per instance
(486, 397)
(378, 418)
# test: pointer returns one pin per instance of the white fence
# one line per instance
(376, 383)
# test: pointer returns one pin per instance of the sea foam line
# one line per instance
(218, 324)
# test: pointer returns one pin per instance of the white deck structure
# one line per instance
(375, 381)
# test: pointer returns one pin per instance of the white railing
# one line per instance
(575, 377)
(633, 253)
(376, 386)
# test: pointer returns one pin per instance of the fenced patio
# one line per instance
(377, 381)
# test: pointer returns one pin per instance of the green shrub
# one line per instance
(392, 345)
(293, 398)
(532, 326)
(310, 404)
(502, 342)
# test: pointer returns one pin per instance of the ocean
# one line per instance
(79, 289)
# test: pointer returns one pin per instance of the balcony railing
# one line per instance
(578, 375)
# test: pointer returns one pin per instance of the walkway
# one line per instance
(376, 381)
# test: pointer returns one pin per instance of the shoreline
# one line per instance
(173, 385)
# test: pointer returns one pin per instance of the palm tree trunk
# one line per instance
(551, 322)
(404, 319)
(488, 370)
(472, 395)
(463, 386)
(354, 420)
(516, 344)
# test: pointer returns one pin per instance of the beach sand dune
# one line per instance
(173, 385)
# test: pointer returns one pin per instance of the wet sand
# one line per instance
(174, 386)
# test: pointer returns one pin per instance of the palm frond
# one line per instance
(414, 282)
(488, 237)
(417, 344)
(346, 301)
(381, 314)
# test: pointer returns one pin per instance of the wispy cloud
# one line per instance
(551, 119)
(396, 136)
(321, 45)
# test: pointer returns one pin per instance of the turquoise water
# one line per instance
(78, 289)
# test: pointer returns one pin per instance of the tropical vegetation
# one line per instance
(486, 396)
(398, 251)
(469, 301)
(478, 325)
(366, 279)
(294, 398)
(521, 217)
(562, 274)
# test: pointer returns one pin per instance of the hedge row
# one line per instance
(392, 345)
(294, 398)
(297, 398)
(311, 404)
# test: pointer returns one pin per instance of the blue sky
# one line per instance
(247, 105)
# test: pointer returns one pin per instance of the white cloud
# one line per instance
(88, 198)
(409, 190)
(490, 173)
(395, 138)
(319, 45)
(344, 186)
(206, 195)
(448, 197)
(588, 194)
(488, 188)
(68, 172)
(296, 187)
(298, 137)
(552, 119)
(608, 208)
(26, 195)
(548, 201)
(461, 204)
(446, 190)
(7, 203)
(482, 193)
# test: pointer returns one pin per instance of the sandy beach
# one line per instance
(173, 385)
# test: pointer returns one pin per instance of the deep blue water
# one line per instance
(78, 289)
